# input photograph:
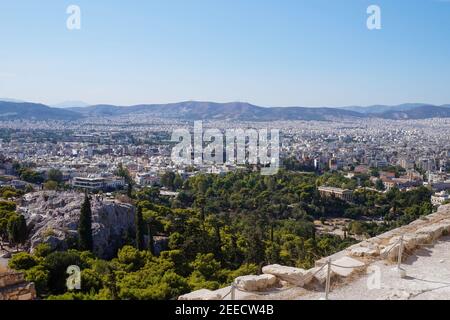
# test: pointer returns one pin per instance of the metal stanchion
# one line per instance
(233, 292)
(401, 271)
(400, 253)
(327, 285)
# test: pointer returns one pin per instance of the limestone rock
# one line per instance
(202, 294)
(423, 238)
(360, 251)
(295, 276)
(256, 283)
(53, 218)
(410, 241)
(391, 251)
(14, 287)
(434, 231)
(321, 274)
(348, 266)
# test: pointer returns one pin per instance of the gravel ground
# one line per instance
(427, 278)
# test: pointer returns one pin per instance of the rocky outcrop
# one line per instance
(295, 276)
(256, 283)
(14, 287)
(202, 294)
(53, 218)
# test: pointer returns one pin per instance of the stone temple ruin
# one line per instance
(346, 267)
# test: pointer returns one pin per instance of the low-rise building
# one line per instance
(343, 194)
(147, 178)
(95, 183)
(440, 198)
(89, 183)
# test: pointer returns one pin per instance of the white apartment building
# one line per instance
(95, 183)
(439, 198)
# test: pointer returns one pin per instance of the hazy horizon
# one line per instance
(57, 105)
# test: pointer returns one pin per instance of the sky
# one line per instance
(266, 52)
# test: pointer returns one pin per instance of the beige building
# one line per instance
(343, 194)
(439, 198)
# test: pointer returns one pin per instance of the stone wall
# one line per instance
(14, 287)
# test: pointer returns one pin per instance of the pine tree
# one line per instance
(130, 190)
(139, 224)
(85, 225)
(151, 243)
(17, 230)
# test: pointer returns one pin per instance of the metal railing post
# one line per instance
(233, 292)
(400, 253)
(327, 285)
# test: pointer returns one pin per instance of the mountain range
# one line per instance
(234, 111)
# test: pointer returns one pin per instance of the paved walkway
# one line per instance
(427, 278)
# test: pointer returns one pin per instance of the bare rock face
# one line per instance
(202, 294)
(256, 283)
(14, 287)
(53, 218)
(295, 276)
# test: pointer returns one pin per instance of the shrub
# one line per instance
(39, 275)
(22, 261)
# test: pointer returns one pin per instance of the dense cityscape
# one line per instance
(81, 151)
(339, 182)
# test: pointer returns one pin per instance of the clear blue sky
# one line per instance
(267, 52)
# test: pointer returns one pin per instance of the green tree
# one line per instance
(177, 182)
(130, 190)
(124, 173)
(140, 227)
(55, 175)
(56, 263)
(39, 276)
(31, 176)
(17, 230)
(22, 261)
(85, 225)
(50, 185)
(5, 215)
(167, 180)
(379, 185)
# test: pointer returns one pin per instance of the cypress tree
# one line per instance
(85, 225)
(151, 243)
(17, 230)
(139, 224)
(130, 190)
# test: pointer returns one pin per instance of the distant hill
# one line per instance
(34, 111)
(378, 109)
(193, 110)
(71, 104)
(233, 111)
(422, 112)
